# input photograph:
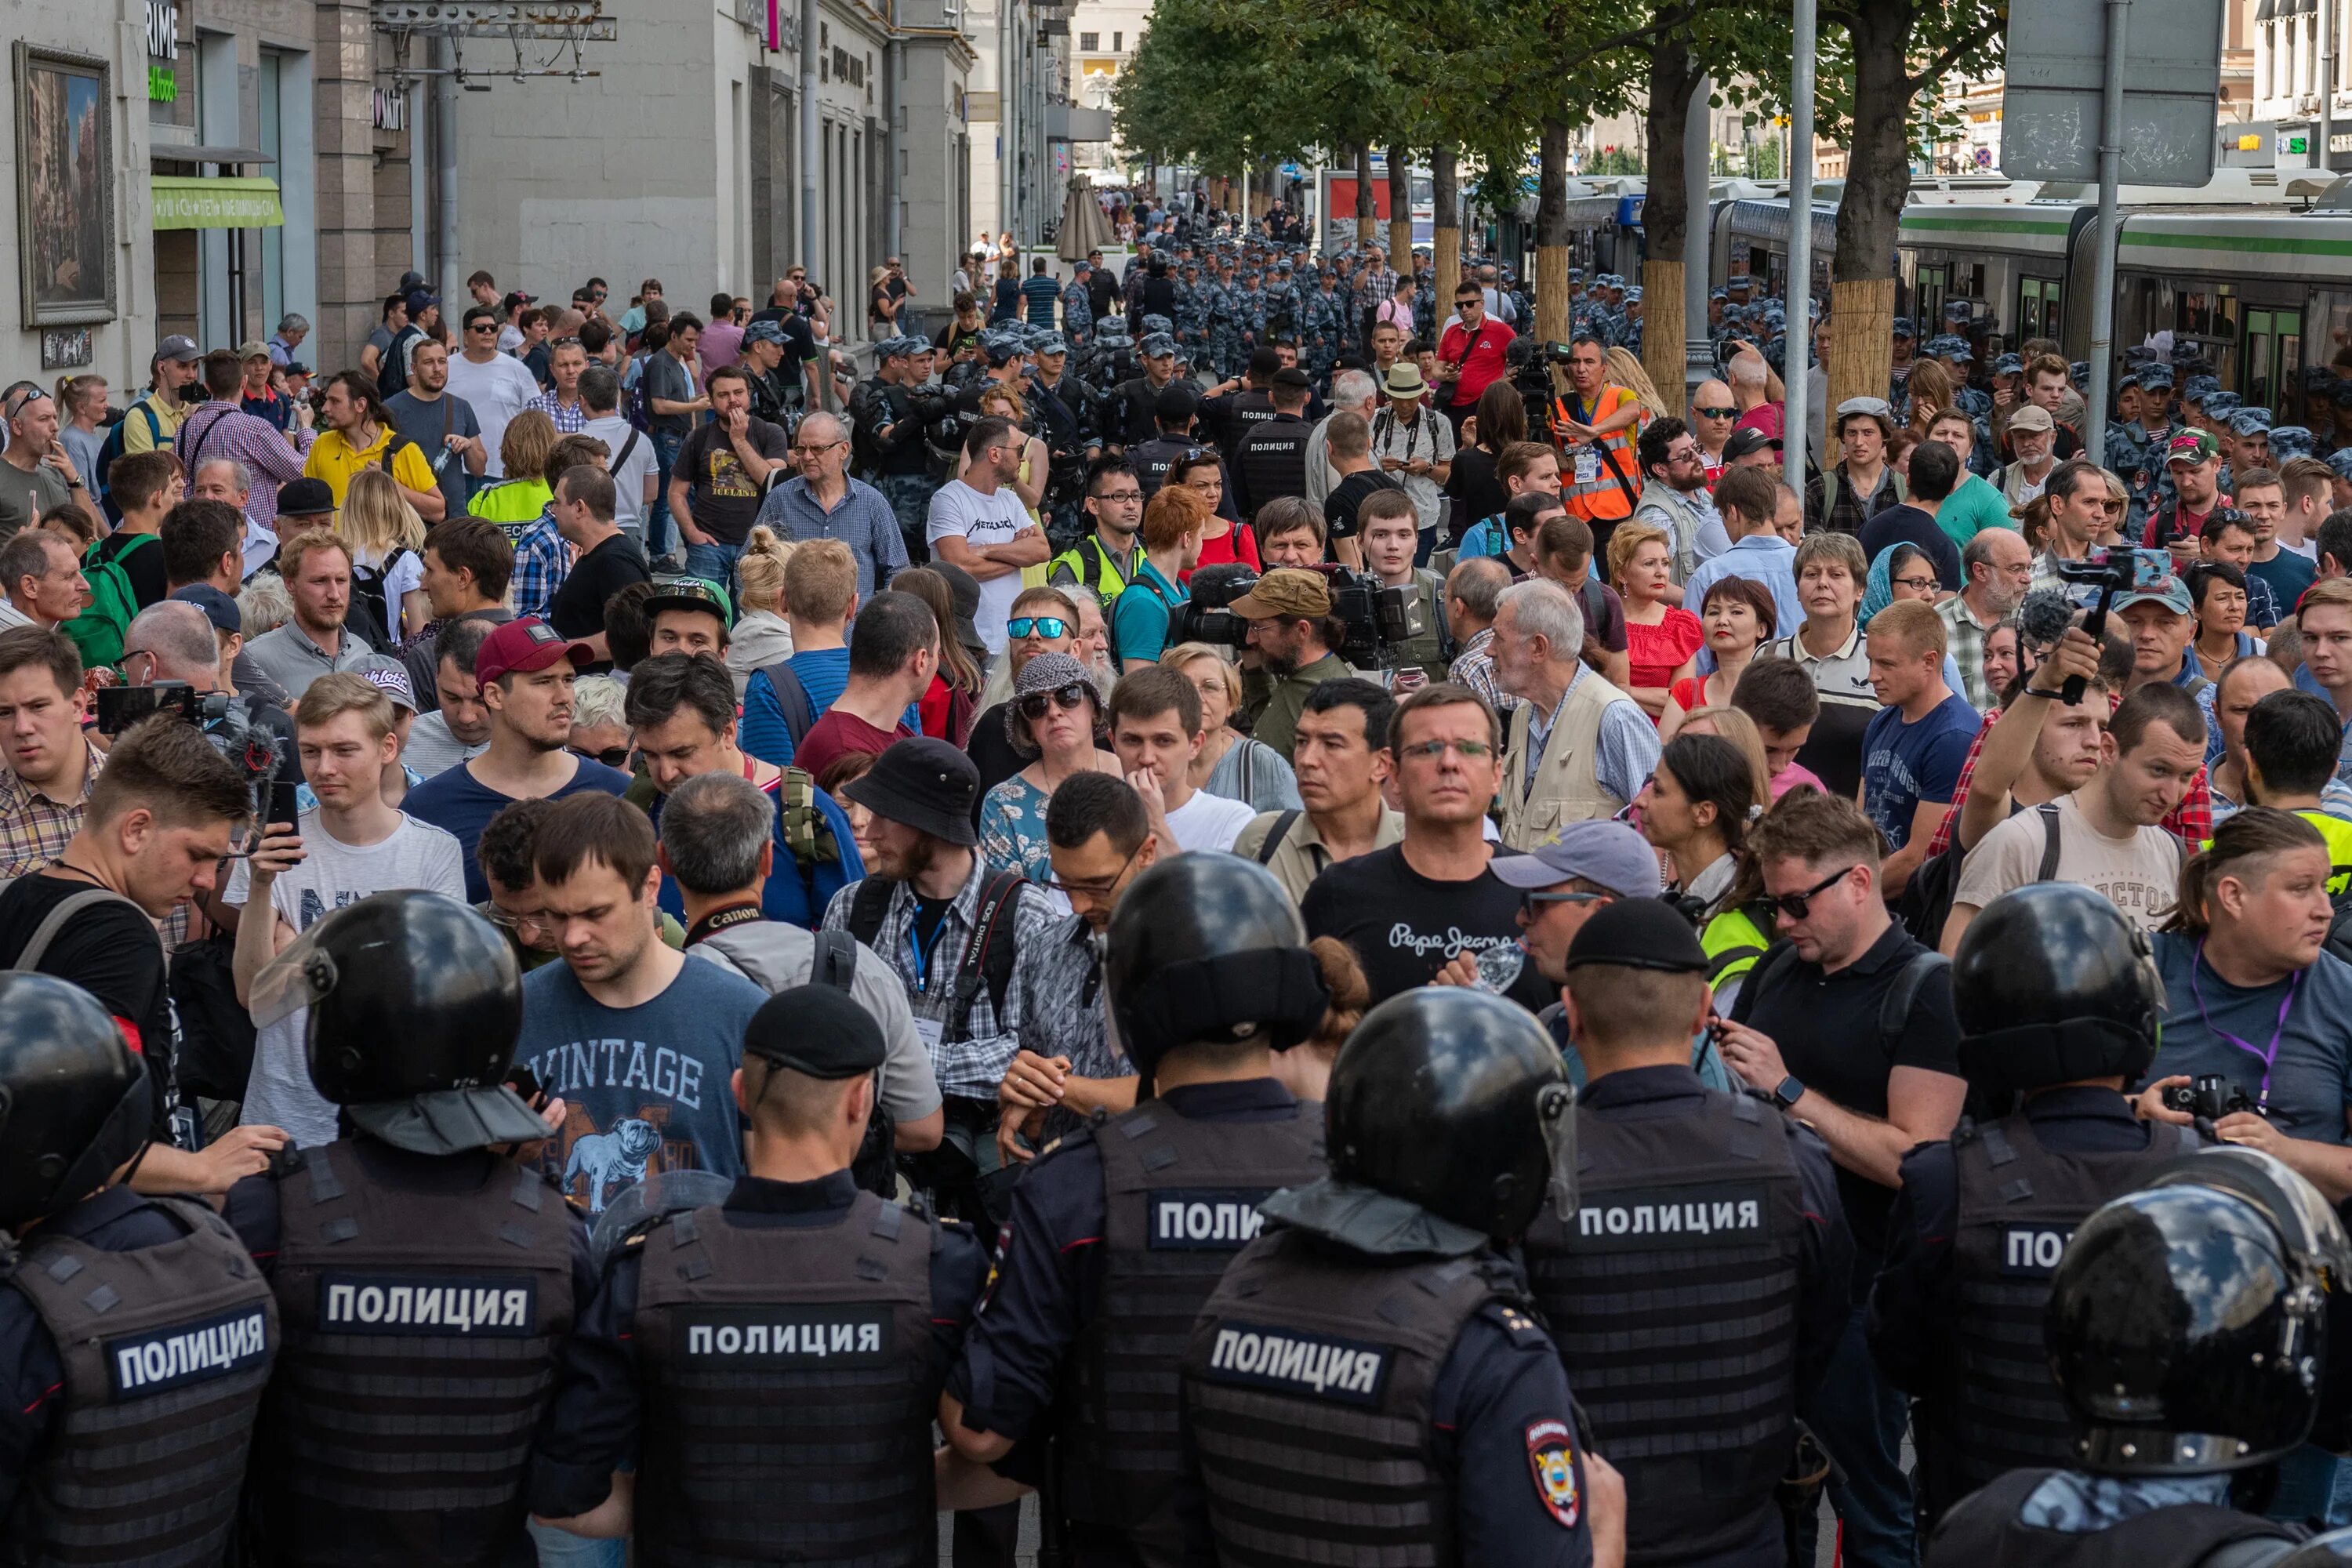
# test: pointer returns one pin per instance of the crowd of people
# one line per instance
(1317, 698)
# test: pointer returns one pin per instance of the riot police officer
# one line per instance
(427, 1280)
(2185, 1330)
(135, 1335)
(2058, 1001)
(1065, 411)
(1119, 1231)
(890, 414)
(1370, 1381)
(774, 1359)
(1705, 1216)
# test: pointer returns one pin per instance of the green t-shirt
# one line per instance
(1972, 508)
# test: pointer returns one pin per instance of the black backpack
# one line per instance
(792, 699)
(986, 960)
(1927, 901)
(875, 1166)
(372, 614)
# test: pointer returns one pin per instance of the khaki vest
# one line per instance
(1566, 788)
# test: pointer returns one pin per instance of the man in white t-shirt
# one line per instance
(629, 456)
(2105, 833)
(352, 846)
(1155, 718)
(495, 385)
(977, 522)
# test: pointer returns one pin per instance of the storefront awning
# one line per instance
(190, 201)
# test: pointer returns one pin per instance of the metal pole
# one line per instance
(446, 252)
(2103, 277)
(1008, 141)
(2326, 84)
(1797, 356)
(1698, 351)
(894, 66)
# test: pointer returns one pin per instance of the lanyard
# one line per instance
(2270, 1056)
(915, 946)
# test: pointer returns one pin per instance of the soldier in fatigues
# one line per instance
(1191, 321)
(1326, 321)
(135, 1335)
(1226, 352)
(773, 1359)
(1077, 306)
(427, 1280)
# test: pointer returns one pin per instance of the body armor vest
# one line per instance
(1180, 1200)
(167, 1351)
(2019, 1202)
(1986, 1531)
(789, 1377)
(421, 1330)
(1271, 460)
(1310, 1385)
(1673, 1296)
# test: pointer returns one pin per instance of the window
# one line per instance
(1090, 41)
(1117, 41)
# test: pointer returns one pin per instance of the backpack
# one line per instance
(1927, 901)
(1276, 835)
(372, 614)
(640, 409)
(99, 629)
(807, 835)
(875, 1166)
(986, 960)
(112, 448)
(792, 699)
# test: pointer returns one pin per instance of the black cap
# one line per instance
(924, 783)
(305, 498)
(1639, 933)
(818, 1030)
(1176, 401)
(1292, 380)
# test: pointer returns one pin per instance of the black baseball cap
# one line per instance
(1745, 442)
(1638, 933)
(305, 498)
(818, 1030)
(1176, 401)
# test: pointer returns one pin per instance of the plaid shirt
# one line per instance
(2191, 821)
(1850, 511)
(1474, 667)
(569, 418)
(1378, 285)
(1067, 1011)
(1965, 641)
(967, 1068)
(36, 829)
(271, 456)
(541, 561)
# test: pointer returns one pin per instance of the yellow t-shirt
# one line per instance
(137, 437)
(334, 460)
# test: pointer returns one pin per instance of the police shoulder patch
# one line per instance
(1552, 1456)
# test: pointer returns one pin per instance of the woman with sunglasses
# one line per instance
(1230, 763)
(1056, 717)
(1223, 540)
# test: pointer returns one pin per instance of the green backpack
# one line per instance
(100, 628)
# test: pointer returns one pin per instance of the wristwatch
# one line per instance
(1788, 1091)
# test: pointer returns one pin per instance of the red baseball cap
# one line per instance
(521, 647)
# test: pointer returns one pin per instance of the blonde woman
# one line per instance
(387, 541)
(1004, 403)
(1927, 392)
(1626, 371)
(1662, 639)
(82, 412)
(763, 636)
(1230, 763)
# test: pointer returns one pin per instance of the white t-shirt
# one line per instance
(431, 748)
(333, 874)
(2139, 875)
(960, 510)
(498, 390)
(1209, 821)
(629, 478)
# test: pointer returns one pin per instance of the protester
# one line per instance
(1056, 718)
(1578, 747)
(1230, 763)
(894, 653)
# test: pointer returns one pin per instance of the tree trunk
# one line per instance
(1551, 235)
(1665, 218)
(1366, 212)
(1878, 178)
(1401, 210)
(1447, 252)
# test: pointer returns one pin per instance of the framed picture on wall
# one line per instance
(65, 187)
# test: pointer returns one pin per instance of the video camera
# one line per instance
(2113, 572)
(120, 707)
(2210, 1096)
(255, 752)
(1373, 615)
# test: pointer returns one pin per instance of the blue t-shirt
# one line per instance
(2288, 575)
(1903, 764)
(2311, 1075)
(785, 897)
(821, 672)
(455, 800)
(1140, 617)
(1040, 294)
(646, 1087)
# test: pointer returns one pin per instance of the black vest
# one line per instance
(1244, 412)
(1179, 1199)
(789, 1376)
(1673, 1300)
(2020, 1201)
(1153, 458)
(1273, 460)
(1310, 1386)
(166, 1350)
(1985, 1532)
(421, 1334)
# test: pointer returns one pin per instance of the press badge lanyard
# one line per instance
(2270, 1056)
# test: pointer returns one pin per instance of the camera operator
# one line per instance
(2251, 998)
(1292, 631)
(890, 412)
(160, 818)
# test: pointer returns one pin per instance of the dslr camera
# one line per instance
(1372, 616)
(255, 751)
(2210, 1096)
(120, 707)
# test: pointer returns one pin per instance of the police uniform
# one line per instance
(1066, 416)
(1078, 312)
(1326, 324)
(891, 453)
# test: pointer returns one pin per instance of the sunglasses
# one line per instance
(1074, 695)
(611, 756)
(1797, 906)
(1038, 625)
(1714, 413)
(1430, 751)
(1532, 904)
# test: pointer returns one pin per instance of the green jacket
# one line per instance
(1276, 708)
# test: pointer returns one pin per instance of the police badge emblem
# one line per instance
(1551, 1454)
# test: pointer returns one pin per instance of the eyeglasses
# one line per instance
(611, 756)
(567, 343)
(1122, 497)
(18, 405)
(1099, 889)
(1797, 906)
(1074, 695)
(1684, 455)
(1430, 751)
(1917, 584)
(1714, 413)
(821, 447)
(1038, 625)
(1531, 904)
(506, 919)
(489, 327)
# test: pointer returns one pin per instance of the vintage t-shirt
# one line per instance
(2139, 875)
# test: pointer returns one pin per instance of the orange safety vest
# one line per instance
(1613, 474)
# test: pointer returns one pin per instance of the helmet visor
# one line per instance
(302, 976)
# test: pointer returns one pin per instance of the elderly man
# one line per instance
(824, 502)
(1578, 747)
(35, 473)
(1998, 567)
(230, 482)
(41, 576)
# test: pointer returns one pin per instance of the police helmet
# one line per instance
(1207, 949)
(2052, 984)
(2186, 1322)
(75, 1102)
(415, 1003)
(1456, 1101)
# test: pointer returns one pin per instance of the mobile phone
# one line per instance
(283, 805)
(524, 1082)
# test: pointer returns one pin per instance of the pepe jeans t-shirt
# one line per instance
(1405, 927)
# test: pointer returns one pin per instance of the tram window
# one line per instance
(2259, 368)
(1932, 285)
(2274, 359)
(2039, 308)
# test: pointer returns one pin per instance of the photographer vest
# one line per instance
(166, 1350)
(1179, 1197)
(789, 1377)
(421, 1334)
(2019, 1202)
(1673, 1296)
(1309, 1386)
(1567, 786)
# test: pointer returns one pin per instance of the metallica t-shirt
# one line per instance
(1405, 927)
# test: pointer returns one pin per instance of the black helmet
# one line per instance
(415, 1003)
(2333, 1550)
(75, 1102)
(2186, 1324)
(2052, 984)
(1453, 1100)
(1206, 948)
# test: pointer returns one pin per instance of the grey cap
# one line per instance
(1606, 853)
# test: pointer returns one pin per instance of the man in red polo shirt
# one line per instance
(1470, 355)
